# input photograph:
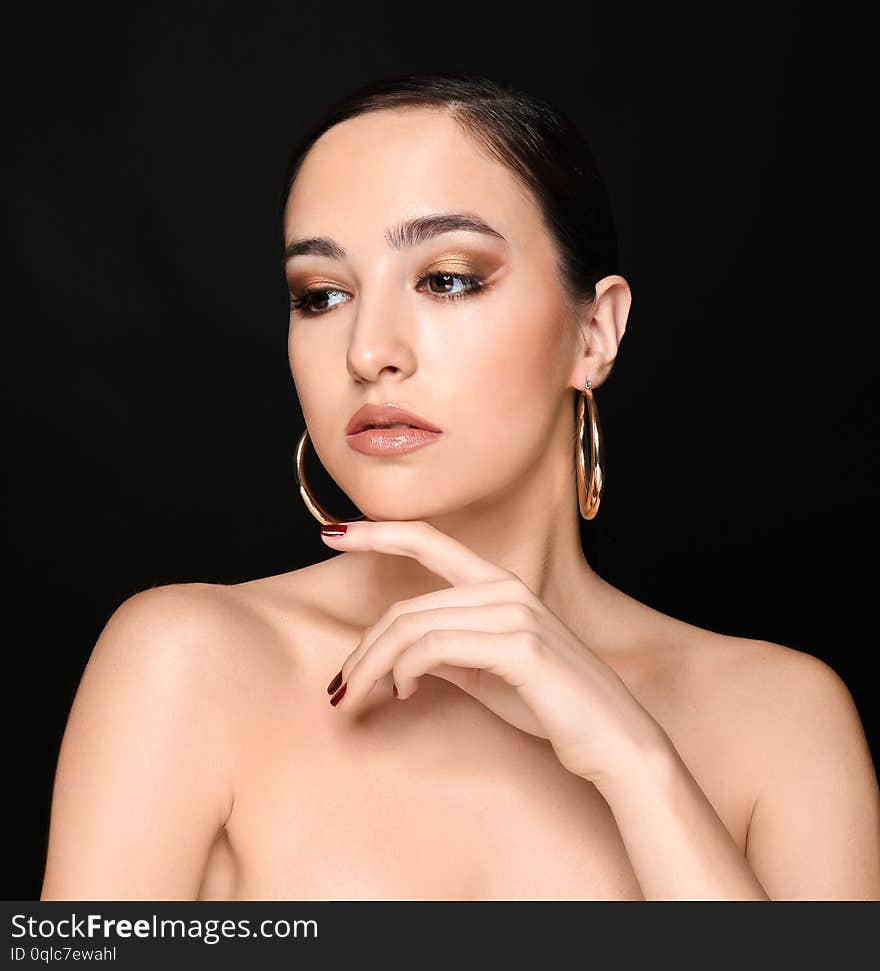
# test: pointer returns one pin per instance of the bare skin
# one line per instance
(435, 797)
(202, 759)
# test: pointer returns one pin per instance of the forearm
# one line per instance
(678, 846)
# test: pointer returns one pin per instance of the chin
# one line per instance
(397, 511)
(400, 502)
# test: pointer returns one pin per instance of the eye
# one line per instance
(443, 285)
(315, 300)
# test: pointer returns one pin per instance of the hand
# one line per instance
(493, 637)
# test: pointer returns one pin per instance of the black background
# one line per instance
(152, 413)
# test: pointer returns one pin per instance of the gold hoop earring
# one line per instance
(589, 494)
(314, 507)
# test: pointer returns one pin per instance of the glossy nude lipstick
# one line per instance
(388, 430)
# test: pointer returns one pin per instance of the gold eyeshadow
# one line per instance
(454, 263)
(454, 257)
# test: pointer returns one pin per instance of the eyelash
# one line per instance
(475, 286)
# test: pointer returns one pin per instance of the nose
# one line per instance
(380, 340)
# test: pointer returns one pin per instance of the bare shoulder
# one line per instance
(759, 684)
(177, 619)
(146, 767)
(814, 821)
(190, 634)
(769, 682)
(800, 703)
(782, 709)
(222, 644)
(176, 608)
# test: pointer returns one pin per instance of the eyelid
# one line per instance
(453, 263)
(315, 285)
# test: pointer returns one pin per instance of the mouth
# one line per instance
(388, 430)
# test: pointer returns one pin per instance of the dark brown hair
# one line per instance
(537, 141)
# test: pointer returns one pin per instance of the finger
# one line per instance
(508, 590)
(485, 665)
(441, 554)
(378, 661)
(508, 656)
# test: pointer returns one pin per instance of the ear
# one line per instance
(602, 325)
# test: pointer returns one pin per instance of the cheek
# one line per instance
(523, 347)
(311, 359)
(512, 375)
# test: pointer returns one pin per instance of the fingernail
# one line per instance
(339, 530)
(335, 683)
(394, 689)
(338, 696)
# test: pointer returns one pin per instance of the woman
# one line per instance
(452, 266)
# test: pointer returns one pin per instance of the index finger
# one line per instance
(440, 553)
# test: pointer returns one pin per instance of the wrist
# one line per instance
(646, 759)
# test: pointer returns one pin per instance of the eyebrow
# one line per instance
(410, 232)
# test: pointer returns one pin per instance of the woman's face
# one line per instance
(469, 330)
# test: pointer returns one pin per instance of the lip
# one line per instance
(391, 441)
(386, 414)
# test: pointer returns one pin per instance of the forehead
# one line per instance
(368, 172)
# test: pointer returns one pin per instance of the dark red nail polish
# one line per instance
(339, 530)
(335, 683)
(338, 696)
(394, 689)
